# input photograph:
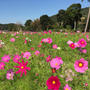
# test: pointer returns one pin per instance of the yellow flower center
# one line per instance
(66, 89)
(82, 42)
(56, 64)
(2, 66)
(53, 82)
(22, 67)
(80, 64)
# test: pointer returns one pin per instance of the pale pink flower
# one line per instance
(69, 42)
(56, 62)
(6, 58)
(12, 39)
(81, 65)
(26, 55)
(37, 53)
(54, 46)
(67, 87)
(84, 51)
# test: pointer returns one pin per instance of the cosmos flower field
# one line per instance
(44, 60)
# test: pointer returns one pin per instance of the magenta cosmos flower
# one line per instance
(53, 83)
(6, 58)
(49, 40)
(37, 53)
(12, 39)
(72, 45)
(54, 46)
(2, 65)
(67, 87)
(22, 68)
(26, 55)
(16, 58)
(48, 58)
(82, 43)
(56, 62)
(81, 65)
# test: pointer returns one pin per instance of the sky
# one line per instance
(18, 11)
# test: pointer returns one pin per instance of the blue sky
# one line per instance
(18, 11)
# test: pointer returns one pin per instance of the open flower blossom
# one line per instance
(82, 43)
(12, 39)
(5, 58)
(10, 74)
(16, 58)
(72, 45)
(53, 83)
(22, 68)
(56, 62)
(2, 65)
(26, 55)
(54, 46)
(37, 53)
(67, 87)
(47, 40)
(81, 65)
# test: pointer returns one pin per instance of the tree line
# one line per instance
(71, 19)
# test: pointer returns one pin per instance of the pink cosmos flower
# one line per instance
(12, 39)
(69, 42)
(76, 44)
(56, 62)
(49, 40)
(87, 36)
(53, 83)
(84, 51)
(2, 65)
(26, 55)
(37, 53)
(16, 58)
(48, 58)
(6, 58)
(10, 74)
(50, 31)
(22, 68)
(81, 65)
(72, 45)
(25, 41)
(55, 46)
(67, 87)
(82, 43)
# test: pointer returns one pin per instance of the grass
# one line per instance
(39, 65)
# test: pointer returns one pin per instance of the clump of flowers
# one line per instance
(10, 74)
(22, 68)
(5, 58)
(53, 83)
(81, 65)
(56, 62)
(46, 40)
(16, 58)
(2, 65)
(37, 53)
(67, 87)
(26, 55)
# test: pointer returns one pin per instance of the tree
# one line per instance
(74, 13)
(46, 22)
(28, 24)
(87, 18)
(36, 26)
(61, 17)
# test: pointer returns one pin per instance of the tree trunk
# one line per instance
(87, 21)
(74, 25)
